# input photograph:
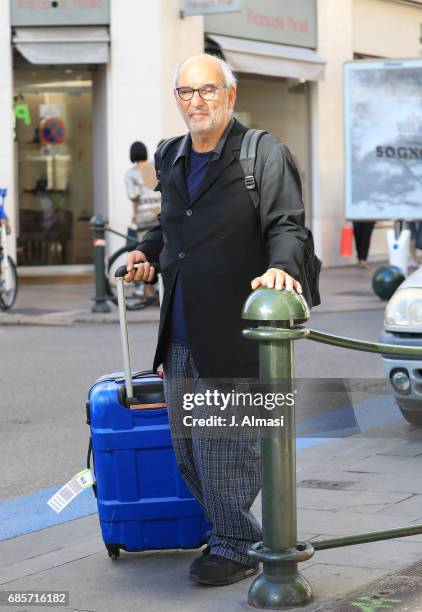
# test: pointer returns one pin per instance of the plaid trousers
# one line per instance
(222, 472)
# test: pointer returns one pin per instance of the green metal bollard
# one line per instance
(280, 585)
(98, 224)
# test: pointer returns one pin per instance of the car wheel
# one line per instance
(412, 411)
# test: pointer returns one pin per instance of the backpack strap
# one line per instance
(247, 158)
(248, 152)
(159, 156)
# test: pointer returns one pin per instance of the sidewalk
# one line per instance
(371, 484)
(342, 289)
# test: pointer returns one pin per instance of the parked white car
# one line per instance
(403, 326)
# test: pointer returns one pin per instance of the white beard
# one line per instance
(214, 118)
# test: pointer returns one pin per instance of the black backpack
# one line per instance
(247, 158)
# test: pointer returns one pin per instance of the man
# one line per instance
(213, 248)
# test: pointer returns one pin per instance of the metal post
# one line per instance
(124, 336)
(280, 585)
(98, 229)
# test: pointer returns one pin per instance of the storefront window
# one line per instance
(280, 106)
(53, 117)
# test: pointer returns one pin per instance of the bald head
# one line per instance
(204, 61)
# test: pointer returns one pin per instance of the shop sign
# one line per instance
(207, 7)
(291, 22)
(59, 12)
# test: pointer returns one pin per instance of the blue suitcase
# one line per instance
(143, 502)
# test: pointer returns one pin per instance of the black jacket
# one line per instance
(218, 243)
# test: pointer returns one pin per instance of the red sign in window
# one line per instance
(52, 131)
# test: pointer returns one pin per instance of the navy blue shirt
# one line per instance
(198, 166)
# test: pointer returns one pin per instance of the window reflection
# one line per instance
(53, 127)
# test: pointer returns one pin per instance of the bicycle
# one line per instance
(8, 273)
(136, 300)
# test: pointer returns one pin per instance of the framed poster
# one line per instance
(383, 139)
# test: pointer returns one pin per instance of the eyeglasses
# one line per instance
(207, 92)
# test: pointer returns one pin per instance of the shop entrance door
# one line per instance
(53, 110)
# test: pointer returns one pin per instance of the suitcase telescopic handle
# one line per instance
(122, 271)
(119, 275)
(124, 336)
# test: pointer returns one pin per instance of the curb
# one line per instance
(55, 319)
(62, 319)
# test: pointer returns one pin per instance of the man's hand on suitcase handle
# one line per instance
(138, 268)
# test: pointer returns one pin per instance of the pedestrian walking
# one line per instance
(140, 180)
(362, 231)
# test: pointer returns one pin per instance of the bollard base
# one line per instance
(275, 592)
(100, 306)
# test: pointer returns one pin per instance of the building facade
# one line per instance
(81, 80)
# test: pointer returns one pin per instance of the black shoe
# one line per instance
(205, 553)
(219, 571)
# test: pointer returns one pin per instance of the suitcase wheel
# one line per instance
(113, 551)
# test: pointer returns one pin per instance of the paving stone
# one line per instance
(415, 538)
(385, 555)
(335, 523)
(405, 448)
(48, 560)
(49, 540)
(384, 464)
(411, 507)
(406, 483)
(343, 453)
(332, 581)
(359, 501)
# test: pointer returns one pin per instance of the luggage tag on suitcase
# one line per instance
(80, 481)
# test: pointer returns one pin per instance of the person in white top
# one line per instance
(140, 181)
(134, 178)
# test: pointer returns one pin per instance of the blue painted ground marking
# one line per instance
(30, 513)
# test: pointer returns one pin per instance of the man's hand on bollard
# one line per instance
(144, 272)
(275, 278)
